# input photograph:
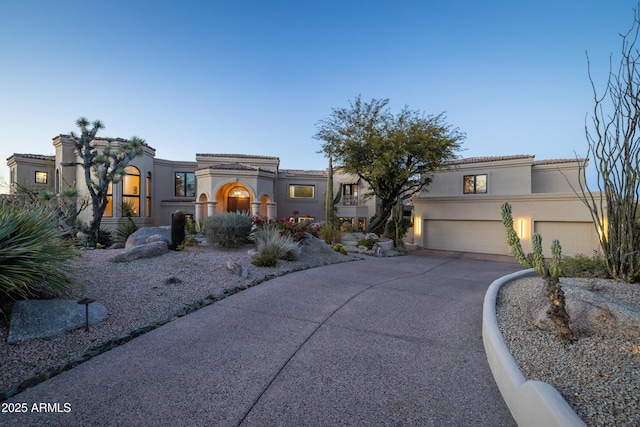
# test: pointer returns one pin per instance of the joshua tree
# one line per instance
(557, 310)
(101, 166)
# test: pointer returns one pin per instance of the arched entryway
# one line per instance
(238, 200)
(234, 197)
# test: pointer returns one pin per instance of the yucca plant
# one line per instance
(33, 254)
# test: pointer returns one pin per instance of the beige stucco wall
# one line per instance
(313, 208)
(529, 213)
(23, 172)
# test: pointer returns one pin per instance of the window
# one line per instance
(148, 195)
(185, 183)
(350, 194)
(131, 192)
(475, 184)
(41, 177)
(108, 211)
(301, 191)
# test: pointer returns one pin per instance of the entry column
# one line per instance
(271, 210)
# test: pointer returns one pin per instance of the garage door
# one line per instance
(488, 237)
(575, 237)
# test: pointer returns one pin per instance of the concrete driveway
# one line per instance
(383, 341)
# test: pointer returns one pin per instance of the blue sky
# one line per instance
(255, 77)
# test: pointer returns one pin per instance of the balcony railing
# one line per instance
(349, 200)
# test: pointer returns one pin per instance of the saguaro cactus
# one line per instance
(557, 310)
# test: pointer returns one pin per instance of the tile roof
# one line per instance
(235, 166)
(102, 138)
(301, 172)
(35, 156)
(240, 156)
(489, 159)
(559, 161)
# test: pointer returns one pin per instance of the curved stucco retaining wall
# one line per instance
(532, 403)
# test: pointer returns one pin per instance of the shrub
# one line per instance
(228, 230)
(266, 258)
(330, 234)
(390, 229)
(584, 266)
(298, 230)
(271, 241)
(194, 227)
(125, 230)
(340, 248)
(33, 253)
(367, 243)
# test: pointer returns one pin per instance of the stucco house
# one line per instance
(212, 184)
(460, 210)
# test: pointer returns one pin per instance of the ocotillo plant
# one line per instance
(557, 310)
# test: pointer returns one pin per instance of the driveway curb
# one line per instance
(532, 403)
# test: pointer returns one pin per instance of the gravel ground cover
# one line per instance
(139, 295)
(599, 376)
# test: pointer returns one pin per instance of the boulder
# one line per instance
(148, 250)
(140, 236)
(313, 245)
(590, 314)
(34, 319)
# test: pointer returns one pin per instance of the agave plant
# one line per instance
(33, 253)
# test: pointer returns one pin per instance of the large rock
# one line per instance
(590, 314)
(313, 245)
(148, 250)
(47, 318)
(146, 235)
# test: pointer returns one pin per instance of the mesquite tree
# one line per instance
(395, 154)
(614, 144)
(557, 310)
(101, 166)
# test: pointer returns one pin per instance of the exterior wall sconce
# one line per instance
(522, 228)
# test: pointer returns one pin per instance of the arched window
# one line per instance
(131, 192)
(148, 195)
(238, 200)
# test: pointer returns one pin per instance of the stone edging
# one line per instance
(532, 403)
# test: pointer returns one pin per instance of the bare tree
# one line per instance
(101, 166)
(614, 144)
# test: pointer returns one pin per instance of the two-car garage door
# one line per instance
(489, 237)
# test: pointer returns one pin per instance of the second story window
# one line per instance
(301, 191)
(41, 177)
(185, 184)
(475, 184)
(350, 194)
